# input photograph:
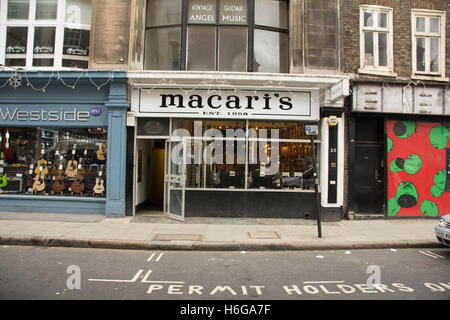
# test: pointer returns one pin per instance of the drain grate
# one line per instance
(177, 237)
(263, 235)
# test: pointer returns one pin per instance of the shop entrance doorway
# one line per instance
(150, 157)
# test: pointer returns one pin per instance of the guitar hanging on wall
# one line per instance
(101, 152)
(7, 149)
(72, 169)
(78, 181)
(59, 185)
(41, 171)
(99, 188)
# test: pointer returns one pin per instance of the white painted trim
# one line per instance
(375, 69)
(427, 75)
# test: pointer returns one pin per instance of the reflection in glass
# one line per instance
(162, 49)
(382, 49)
(201, 47)
(368, 49)
(420, 24)
(434, 54)
(46, 9)
(278, 17)
(420, 54)
(232, 49)
(44, 46)
(78, 11)
(16, 46)
(18, 9)
(382, 19)
(434, 25)
(368, 19)
(271, 51)
(163, 12)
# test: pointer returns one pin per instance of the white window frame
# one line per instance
(375, 68)
(427, 14)
(31, 23)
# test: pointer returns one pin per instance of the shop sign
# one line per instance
(53, 115)
(230, 104)
(332, 121)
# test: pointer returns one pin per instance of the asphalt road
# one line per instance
(75, 273)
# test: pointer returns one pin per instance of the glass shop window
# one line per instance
(247, 154)
(53, 161)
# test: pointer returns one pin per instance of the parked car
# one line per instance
(443, 230)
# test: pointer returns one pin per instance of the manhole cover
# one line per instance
(177, 237)
(263, 235)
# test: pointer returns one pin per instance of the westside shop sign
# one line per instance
(55, 114)
(271, 105)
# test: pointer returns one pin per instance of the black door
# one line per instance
(367, 167)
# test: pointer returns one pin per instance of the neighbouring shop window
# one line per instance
(224, 35)
(53, 161)
(376, 38)
(59, 40)
(428, 29)
(247, 154)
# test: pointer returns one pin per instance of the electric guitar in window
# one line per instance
(3, 180)
(72, 169)
(7, 149)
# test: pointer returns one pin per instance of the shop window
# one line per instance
(39, 20)
(247, 154)
(376, 39)
(53, 162)
(210, 35)
(428, 47)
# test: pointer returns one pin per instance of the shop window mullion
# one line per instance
(251, 29)
(183, 46)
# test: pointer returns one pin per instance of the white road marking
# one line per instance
(136, 276)
(157, 259)
(431, 254)
(321, 282)
(151, 281)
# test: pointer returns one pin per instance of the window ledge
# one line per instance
(428, 77)
(377, 72)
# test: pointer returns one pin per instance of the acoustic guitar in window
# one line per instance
(78, 182)
(101, 152)
(99, 188)
(59, 185)
(39, 181)
(72, 169)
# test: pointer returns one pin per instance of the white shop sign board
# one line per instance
(293, 105)
(397, 99)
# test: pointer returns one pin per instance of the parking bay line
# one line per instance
(431, 254)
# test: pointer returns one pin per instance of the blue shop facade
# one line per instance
(63, 141)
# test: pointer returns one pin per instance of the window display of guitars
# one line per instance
(72, 169)
(99, 188)
(3, 175)
(78, 181)
(59, 185)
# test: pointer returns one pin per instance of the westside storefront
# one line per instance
(63, 142)
(236, 145)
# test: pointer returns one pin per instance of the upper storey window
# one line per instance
(428, 42)
(217, 35)
(45, 33)
(376, 40)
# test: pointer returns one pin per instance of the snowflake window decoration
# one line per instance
(15, 80)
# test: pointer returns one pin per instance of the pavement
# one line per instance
(213, 234)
